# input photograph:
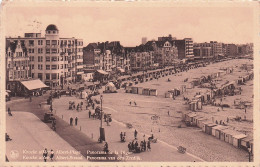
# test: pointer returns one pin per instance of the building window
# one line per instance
(53, 76)
(48, 67)
(61, 66)
(39, 66)
(54, 58)
(32, 75)
(53, 67)
(40, 42)
(31, 58)
(54, 42)
(31, 42)
(47, 51)
(47, 42)
(47, 59)
(40, 50)
(53, 50)
(40, 58)
(40, 76)
(47, 76)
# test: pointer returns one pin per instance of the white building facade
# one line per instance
(52, 59)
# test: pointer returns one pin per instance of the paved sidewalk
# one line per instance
(161, 151)
(30, 136)
(78, 140)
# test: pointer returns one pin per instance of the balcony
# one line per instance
(80, 72)
(80, 66)
(79, 60)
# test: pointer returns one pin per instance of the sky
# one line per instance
(129, 24)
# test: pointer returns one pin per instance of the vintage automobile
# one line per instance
(48, 117)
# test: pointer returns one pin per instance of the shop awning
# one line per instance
(34, 84)
(102, 72)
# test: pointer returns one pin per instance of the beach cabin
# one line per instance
(208, 128)
(135, 90)
(200, 122)
(217, 129)
(196, 118)
(140, 90)
(190, 116)
(146, 91)
(199, 105)
(237, 140)
(128, 89)
(153, 92)
(247, 142)
(228, 133)
(205, 124)
(200, 97)
(168, 95)
(193, 106)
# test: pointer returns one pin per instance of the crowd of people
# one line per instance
(137, 148)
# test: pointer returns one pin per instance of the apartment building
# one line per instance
(17, 61)
(53, 59)
(185, 48)
(107, 56)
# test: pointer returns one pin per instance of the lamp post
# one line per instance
(101, 101)
(102, 130)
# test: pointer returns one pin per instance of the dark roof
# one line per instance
(114, 47)
(91, 46)
(13, 46)
(159, 43)
(51, 27)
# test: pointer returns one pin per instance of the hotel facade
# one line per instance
(52, 59)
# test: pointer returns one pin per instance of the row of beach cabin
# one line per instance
(221, 132)
(141, 91)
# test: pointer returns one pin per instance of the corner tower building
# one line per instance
(54, 60)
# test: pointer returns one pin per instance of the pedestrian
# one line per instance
(40, 105)
(132, 145)
(51, 108)
(71, 121)
(135, 103)
(130, 103)
(52, 155)
(129, 147)
(136, 145)
(106, 147)
(89, 113)
(30, 98)
(148, 145)
(121, 136)
(227, 119)
(9, 112)
(144, 145)
(245, 110)
(168, 113)
(78, 107)
(135, 134)
(76, 121)
(45, 154)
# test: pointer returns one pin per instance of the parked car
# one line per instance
(48, 117)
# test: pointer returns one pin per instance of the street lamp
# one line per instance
(101, 101)
(102, 130)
